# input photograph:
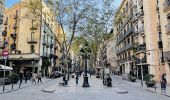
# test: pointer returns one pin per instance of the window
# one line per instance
(168, 44)
(160, 36)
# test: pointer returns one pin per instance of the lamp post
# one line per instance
(85, 55)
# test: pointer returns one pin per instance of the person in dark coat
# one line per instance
(163, 83)
(26, 77)
(64, 80)
(77, 79)
(109, 81)
(20, 78)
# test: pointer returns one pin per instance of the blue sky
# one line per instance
(9, 3)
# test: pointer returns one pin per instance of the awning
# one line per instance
(142, 64)
(3, 67)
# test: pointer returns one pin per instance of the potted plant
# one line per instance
(149, 80)
(132, 78)
(13, 77)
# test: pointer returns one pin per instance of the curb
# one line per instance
(120, 91)
(49, 91)
(158, 93)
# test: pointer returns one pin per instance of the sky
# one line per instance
(9, 3)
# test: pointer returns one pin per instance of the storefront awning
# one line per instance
(29, 56)
(3, 67)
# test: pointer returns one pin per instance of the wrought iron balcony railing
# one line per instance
(166, 5)
(167, 56)
(167, 28)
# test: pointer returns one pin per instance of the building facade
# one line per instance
(111, 54)
(31, 43)
(139, 40)
(2, 8)
(164, 8)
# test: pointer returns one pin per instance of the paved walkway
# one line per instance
(8, 88)
(96, 91)
(138, 84)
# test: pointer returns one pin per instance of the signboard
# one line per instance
(5, 53)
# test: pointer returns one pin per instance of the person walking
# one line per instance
(163, 83)
(77, 79)
(34, 76)
(26, 77)
(39, 76)
(20, 78)
(64, 80)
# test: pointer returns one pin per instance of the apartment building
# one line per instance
(139, 40)
(31, 43)
(2, 8)
(111, 54)
(164, 9)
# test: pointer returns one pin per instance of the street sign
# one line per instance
(5, 53)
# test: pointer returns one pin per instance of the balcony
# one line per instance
(15, 26)
(51, 45)
(48, 44)
(135, 18)
(166, 5)
(15, 16)
(136, 33)
(56, 48)
(130, 3)
(160, 45)
(127, 33)
(32, 40)
(167, 56)
(13, 46)
(158, 27)
(127, 47)
(33, 28)
(140, 3)
(140, 14)
(141, 47)
(6, 22)
(4, 33)
(14, 35)
(141, 29)
(167, 28)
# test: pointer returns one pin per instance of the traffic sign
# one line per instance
(5, 53)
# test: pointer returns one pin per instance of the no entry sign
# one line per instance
(5, 53)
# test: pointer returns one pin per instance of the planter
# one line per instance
(133, 80)
(150, 84)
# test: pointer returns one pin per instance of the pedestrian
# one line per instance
(34, 76)
(26, 77)
(39, 76)
(90, 74)
(64, 80)
(77, 79)
(20, 78)
(163, 83)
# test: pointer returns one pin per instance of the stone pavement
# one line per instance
(138, 84)
(8, 88)
(96, 91)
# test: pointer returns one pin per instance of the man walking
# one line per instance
(34, 75)
(39, 76)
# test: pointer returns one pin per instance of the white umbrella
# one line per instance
(3, 67)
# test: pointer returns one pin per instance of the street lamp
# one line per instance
(85, 55)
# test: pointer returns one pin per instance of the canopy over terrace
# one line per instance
(3, 67)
